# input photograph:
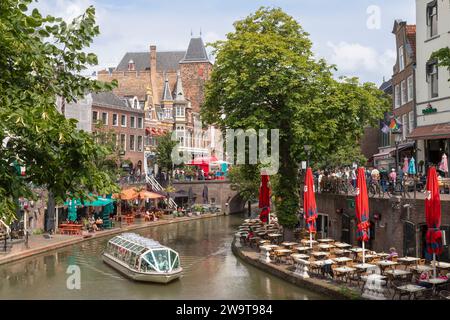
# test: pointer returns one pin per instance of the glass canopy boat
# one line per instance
(142, 259)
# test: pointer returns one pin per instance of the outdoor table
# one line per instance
(302, 249)
(364, 266)
(398, 273)
(343, 272)
(383, 264)
(370, 256)
(341, 245)
(358, 250)
(70, 228)
(320, 254)
(383, 255)
(289, 245)
(280, 253)
(435, 282)
(341, 252)
(299, 256)
(325, 240)
(263, 242)
(308, 242)
(321, 263)
(373, 276)
(421, 268)
(342, 260)
(408, 260)
(261, 233)
(325, 246)
(254, 240)
(441, 265)
(412, 289)
(129, 219)
(274, 236)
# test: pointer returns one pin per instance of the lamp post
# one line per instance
(398, 138)
(308, 150)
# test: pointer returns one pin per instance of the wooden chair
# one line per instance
(444, 295)
(399, 292)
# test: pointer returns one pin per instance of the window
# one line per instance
(94, 116)
(115, 120)
(168, 113)
(410, 122)
(123, 142)
(401, 58)
(140, 123)
(114, 139)
(180, 111)
(123, 120)
(432, 79)
(432, 18)
(397, 96)
(132, 122)
(135, 103)
(139, 144)
(131, 147)
(405, 126)
(404, 92)
(105, 118)
(410, 89)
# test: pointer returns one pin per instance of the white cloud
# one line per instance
(356, 58)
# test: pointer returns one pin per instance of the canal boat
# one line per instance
(142, 259)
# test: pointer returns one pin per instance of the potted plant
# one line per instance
(197, 209)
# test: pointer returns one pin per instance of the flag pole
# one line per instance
(434, 265)
(310, 240)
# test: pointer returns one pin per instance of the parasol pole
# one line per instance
(310, 239)
(434, 265)
(364, 252)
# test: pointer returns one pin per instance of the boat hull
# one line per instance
(141, 276)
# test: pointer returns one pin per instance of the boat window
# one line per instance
(174, 259)
(162, 259)
(150, 259)
(145, 266)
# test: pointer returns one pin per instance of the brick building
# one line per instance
(170, 87)
(124, 118)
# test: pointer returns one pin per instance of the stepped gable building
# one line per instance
(170, 87)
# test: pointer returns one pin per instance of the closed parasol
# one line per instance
(412, 166)
(264, 198)
(433, 215)
(309, 204)
(362, 209)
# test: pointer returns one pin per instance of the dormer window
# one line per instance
(131, 65)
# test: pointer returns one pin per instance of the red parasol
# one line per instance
(264, 198)
(433, 213)
(309, 202)
(362, 207)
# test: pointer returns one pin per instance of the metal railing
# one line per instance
(157, 187)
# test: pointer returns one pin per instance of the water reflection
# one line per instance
(211, 271)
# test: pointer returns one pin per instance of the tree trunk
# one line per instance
(288, 234)
(50, 221)
(249, 209)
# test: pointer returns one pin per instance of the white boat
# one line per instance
(142, 259)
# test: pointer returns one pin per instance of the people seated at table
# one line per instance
(393, 254)
(99, 223)
(423, 280)
(92, 224)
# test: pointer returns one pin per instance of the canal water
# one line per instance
(211, 271)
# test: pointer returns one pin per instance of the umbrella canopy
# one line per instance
(132, 193)
(412, 166)
(202, 163)
(362, 207)
(405, 165)
(264, 198)
(205, 194)
(99, 202)
(433, 213)
(309, 202)
(443, 166)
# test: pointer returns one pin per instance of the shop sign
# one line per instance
(429, 110)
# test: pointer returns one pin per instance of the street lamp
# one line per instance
(307, 149)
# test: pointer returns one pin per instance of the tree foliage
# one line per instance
(266, 77)
(443, 56)
(164, 151)
(41, 59)
(245, 179)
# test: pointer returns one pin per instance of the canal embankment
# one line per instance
(38, 244)
(324, 287)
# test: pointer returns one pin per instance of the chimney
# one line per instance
(153, 58)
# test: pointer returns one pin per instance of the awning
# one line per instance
(386, 153)
(431, 132)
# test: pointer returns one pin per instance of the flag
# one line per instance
(385, 128)
(393, 125)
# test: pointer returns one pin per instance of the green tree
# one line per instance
(443, 56)
(266, 77)
(41, 58)
(164, 152)
(246, 180)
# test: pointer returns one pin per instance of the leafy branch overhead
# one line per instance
(40, 61)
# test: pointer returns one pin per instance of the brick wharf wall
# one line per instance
(389, 229)
(134, 156)
(194, 76)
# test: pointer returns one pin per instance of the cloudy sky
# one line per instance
(353, 34)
